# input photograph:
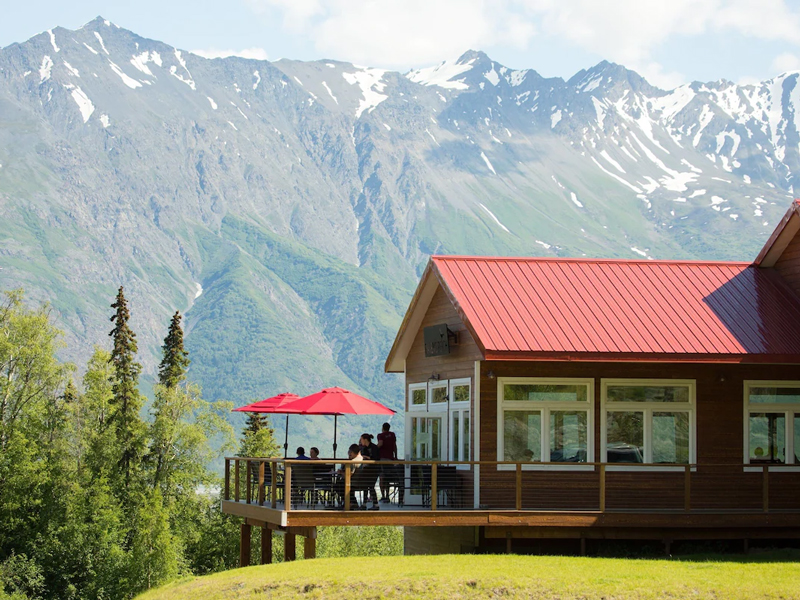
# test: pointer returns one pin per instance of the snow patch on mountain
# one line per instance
(325, 85)
(102, 44)
(369, 81)
(492, 215)
(53, 40)
(85, 105)
(488, 163)
(45, 69)
(73, 71)
(126, 79)
(442, 75)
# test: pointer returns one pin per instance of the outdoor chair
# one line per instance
(394, 478)
(364, 480)
(303, 485)
(447, 486)
(421, 482)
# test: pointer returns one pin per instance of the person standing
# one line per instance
(387, 450)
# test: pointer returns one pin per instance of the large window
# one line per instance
(545, 420)
(648, 421)
(459, 420)
(772, 422)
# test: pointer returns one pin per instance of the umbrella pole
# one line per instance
(334, 435)
(286, 439)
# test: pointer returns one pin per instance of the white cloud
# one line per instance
(254, 53)
(785, 62)
(403, 32)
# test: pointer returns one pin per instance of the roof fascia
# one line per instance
(775, 359)
(420, 301)
(784, 233)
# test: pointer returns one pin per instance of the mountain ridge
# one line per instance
(303, 198)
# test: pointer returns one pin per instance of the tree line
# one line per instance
(95, 500)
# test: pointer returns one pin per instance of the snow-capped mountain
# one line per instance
(289, 206)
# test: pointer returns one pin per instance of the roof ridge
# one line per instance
(563, 259)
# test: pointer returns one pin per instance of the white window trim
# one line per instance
(545, 408)
(467, 381)
(417, 407)
(648, 408)
(787, 408)
(440, 406)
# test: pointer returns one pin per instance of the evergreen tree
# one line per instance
(258, 438)
(175, 361)
(127, 402)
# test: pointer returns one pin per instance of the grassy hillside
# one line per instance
(767, 575)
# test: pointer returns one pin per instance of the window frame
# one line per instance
(790, 411)
(648, 408)
(545, 408)
(412, 387)
(462, 407)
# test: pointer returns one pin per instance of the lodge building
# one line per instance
(584, 399)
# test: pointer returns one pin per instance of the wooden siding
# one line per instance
(788, 265)
(461, 360)
(719, 441)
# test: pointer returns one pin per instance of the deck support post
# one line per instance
(309, 547)
(668, 547)
(508, 543)
(346, 488)
(602, 468)
(583, 546)
(266, 545)
(244, 545)
(289, 547)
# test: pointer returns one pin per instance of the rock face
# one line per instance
(289, 207)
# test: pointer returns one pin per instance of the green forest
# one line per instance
(102, 499)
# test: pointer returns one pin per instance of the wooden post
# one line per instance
(244, 545)
(261, 492)
(765, 488)
(289, 547)
(236, 480)
(287, 488)
(687, 488)
(602, 487)
(248, 481)
(266, 545)
(309, 547)
(273, 467)
(519, 486)
(227, 479)
(508, 543)
(346, 487)
(583, 546)
(434, 487)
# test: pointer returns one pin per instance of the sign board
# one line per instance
(437, 342)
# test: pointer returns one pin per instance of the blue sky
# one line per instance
(668, 41)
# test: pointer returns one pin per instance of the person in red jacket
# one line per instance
(387, 447)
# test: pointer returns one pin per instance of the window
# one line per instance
(545, 420)
(772, 422)
(418, 396)
(648, 421)
(459, 420)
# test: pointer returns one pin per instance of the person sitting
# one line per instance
(301, 454)
(354, 454)
(387, 450)
(314, 452)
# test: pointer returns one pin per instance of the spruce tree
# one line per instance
(175, 361)
(258, 437)
(126, 402)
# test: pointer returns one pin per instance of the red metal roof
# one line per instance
(586, 309)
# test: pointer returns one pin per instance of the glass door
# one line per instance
(426, 439)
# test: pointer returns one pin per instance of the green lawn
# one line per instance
(764, 575)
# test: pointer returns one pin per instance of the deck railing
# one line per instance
(289, 485)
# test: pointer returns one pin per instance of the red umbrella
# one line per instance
(337, 401)
(280, 404)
